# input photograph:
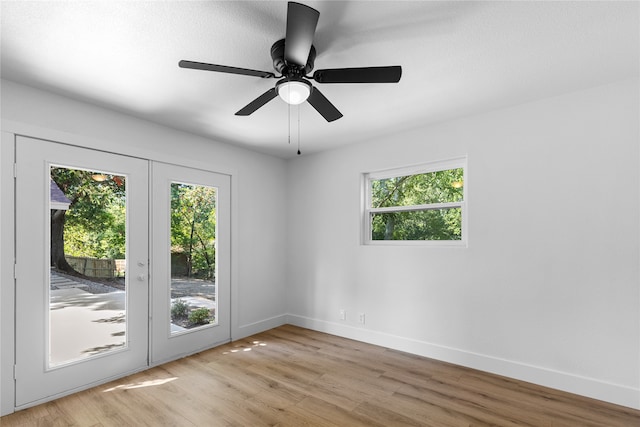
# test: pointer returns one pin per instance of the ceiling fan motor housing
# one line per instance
(290, 70)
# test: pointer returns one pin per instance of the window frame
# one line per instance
(435, 166)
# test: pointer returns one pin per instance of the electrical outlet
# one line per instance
(361, 318)
(343, 314)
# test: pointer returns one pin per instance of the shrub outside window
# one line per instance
(423, 204)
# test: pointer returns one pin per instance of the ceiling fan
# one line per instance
(293, 57)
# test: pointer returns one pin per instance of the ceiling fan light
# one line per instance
(294, 92)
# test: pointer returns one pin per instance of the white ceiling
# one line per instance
(458, 58)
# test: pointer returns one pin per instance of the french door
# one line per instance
(74, 326)
(86, 309)
(191, 263)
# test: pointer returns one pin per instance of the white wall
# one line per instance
(548, 288)
(547, 291)
(258, 195)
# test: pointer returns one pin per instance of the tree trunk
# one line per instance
(58, 259)
(206, 257)
(390, 227)
(190, 255)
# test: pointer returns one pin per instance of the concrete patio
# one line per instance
(84, 323)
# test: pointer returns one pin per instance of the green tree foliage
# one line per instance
(106, 239)
(94, 224)
(414, 190)
(193, 227)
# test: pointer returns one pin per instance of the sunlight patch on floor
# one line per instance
(150, 383)
(244, 348)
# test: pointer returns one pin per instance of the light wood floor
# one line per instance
(295, 377)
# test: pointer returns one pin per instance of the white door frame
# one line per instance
(7, 289)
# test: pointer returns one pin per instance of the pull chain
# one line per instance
(299, 130)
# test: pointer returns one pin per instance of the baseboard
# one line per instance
(244, 331)
(589, 387)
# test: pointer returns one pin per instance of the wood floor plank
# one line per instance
(75, 410)
(291, 376)
(337, 414)
(427, 414)
(463, 405)
(296, 417)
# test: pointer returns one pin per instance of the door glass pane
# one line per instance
(193, 256)
(87, 296)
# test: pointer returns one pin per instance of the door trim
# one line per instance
(7, 289)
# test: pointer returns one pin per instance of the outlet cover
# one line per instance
(343, 314)
(361, 318)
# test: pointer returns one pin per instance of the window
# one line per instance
(421, 204)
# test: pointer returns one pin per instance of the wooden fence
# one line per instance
(94, 267)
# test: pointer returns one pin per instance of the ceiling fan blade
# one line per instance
(390, 74)
(323, 105)
(224, 69)
(258, 102)
(301, 27)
